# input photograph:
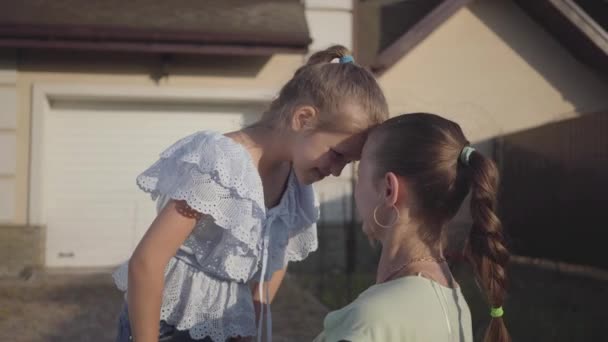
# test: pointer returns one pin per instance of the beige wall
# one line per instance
(8, 136)
(330, 22)
(125, 70)
(495, 71)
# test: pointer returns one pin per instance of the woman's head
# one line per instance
(329, 104)
(420, 154)
(415, 162)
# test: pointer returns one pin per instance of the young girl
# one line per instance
(234, 209)
(414, 174)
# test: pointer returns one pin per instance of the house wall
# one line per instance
(133, 70)
(17, 244)
(495, 71)
(8, 136)
(22, 244)
(329, 22)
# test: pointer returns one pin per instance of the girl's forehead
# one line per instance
(353, 117)
(369, 146)
(366, 167)
(351, 145)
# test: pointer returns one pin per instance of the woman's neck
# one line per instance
(403, 251)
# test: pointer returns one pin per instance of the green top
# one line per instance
(407, 309)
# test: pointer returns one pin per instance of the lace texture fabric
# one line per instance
(206, 289)
(204, 305)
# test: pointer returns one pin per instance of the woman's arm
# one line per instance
(147, 265)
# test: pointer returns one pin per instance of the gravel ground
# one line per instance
(84, 307)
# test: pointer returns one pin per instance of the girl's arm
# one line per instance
(273, 287)
(147, 266)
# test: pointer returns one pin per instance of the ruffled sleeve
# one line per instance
(303, 233)
(216, 178)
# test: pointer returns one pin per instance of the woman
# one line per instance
(415, 172)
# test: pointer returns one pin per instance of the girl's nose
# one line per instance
(337, 168)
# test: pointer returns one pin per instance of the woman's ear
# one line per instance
(304, 117)
(394, 189)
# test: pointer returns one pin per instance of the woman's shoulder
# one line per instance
(399, 297)
(403, 307)
(404, 287)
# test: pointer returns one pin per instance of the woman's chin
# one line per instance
(370, 232)
(366, 230)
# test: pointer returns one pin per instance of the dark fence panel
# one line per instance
(554, 189)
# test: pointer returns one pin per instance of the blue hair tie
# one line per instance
(347, 59)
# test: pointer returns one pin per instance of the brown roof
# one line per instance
(257, 26)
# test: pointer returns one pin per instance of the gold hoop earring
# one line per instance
(387, 226)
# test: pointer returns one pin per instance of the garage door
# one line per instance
(92, 152)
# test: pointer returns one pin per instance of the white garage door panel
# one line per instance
(95, 213)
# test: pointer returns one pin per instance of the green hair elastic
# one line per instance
(497, 312)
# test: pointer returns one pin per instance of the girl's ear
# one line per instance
(304, 117)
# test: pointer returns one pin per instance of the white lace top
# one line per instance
(206, 289)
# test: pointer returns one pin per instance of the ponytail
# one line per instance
(328, 55)
(486, 246)
(329, 86)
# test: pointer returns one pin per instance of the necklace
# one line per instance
(412, 261)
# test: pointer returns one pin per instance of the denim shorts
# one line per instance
(167, 333)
